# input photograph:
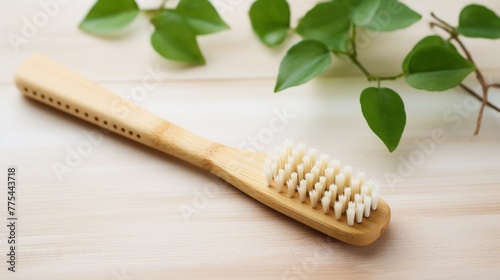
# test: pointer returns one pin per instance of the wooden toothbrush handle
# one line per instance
(52, 84)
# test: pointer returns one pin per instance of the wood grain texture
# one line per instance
(126, 212)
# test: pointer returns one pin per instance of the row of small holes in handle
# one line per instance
(77, 111)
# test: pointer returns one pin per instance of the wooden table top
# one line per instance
(123, 211)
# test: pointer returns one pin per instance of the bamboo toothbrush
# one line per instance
(295, 181)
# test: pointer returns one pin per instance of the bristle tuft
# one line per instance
(350, 214)
(310, 181)
(360, 209)
(269, 177)
(368, 205)
(320, 189)
(347, 173)
(302, 189)
(314, 198)
(298, 169)
(337, 207)
(325, 201)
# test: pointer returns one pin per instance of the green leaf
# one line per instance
(432, 40)
(362, 12)
(202, 16)
(384, 112)
(175, 39)
(303, 61)
(437, 68)
(479, 22)
(392, 15)
(108, 16)
(328, 23)
(270, 20)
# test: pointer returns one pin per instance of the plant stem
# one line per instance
(353, 56)
(494, 86)
(479, 75)
(353, 42)
(478, 97)
(369, 75)
(361, 67)
(441, 21)
(480, 79)
(393, 77)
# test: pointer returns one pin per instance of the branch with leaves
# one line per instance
(176, 30)
(329, 30)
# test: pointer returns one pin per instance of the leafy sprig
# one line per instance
(176, 30)
(330, 29)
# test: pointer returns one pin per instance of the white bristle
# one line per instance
(333, 191)
(335, 164)
(306, 161)
(337, 207)
(343, 201)
(324, 161)
(325, 201)
(326, 193)
(340, 182)
(310, 181)
(302, 191)
(347, 193)
(292, 185)
(350, 215)
(281, 172)
(360, 208)
(295, 157)
(274, 169)
(326, 182)
(293, 165)
(321, 170)
(329, 175)
(315, 172)
(361, 178)
(354, 186)
(371, 185)
(322, 180)
(374, 199)
(300, 171)
(291, 190)
(314, 198)
(320, 189)
(283, 157)
(347, 173)
(312, 153)
(332, 198)
(364, 190)
(269, 176)
(280, 182)
(358, 198)
(288, 170)
(351, 204)
(368, 205)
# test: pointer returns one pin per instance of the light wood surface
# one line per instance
(125, 211)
